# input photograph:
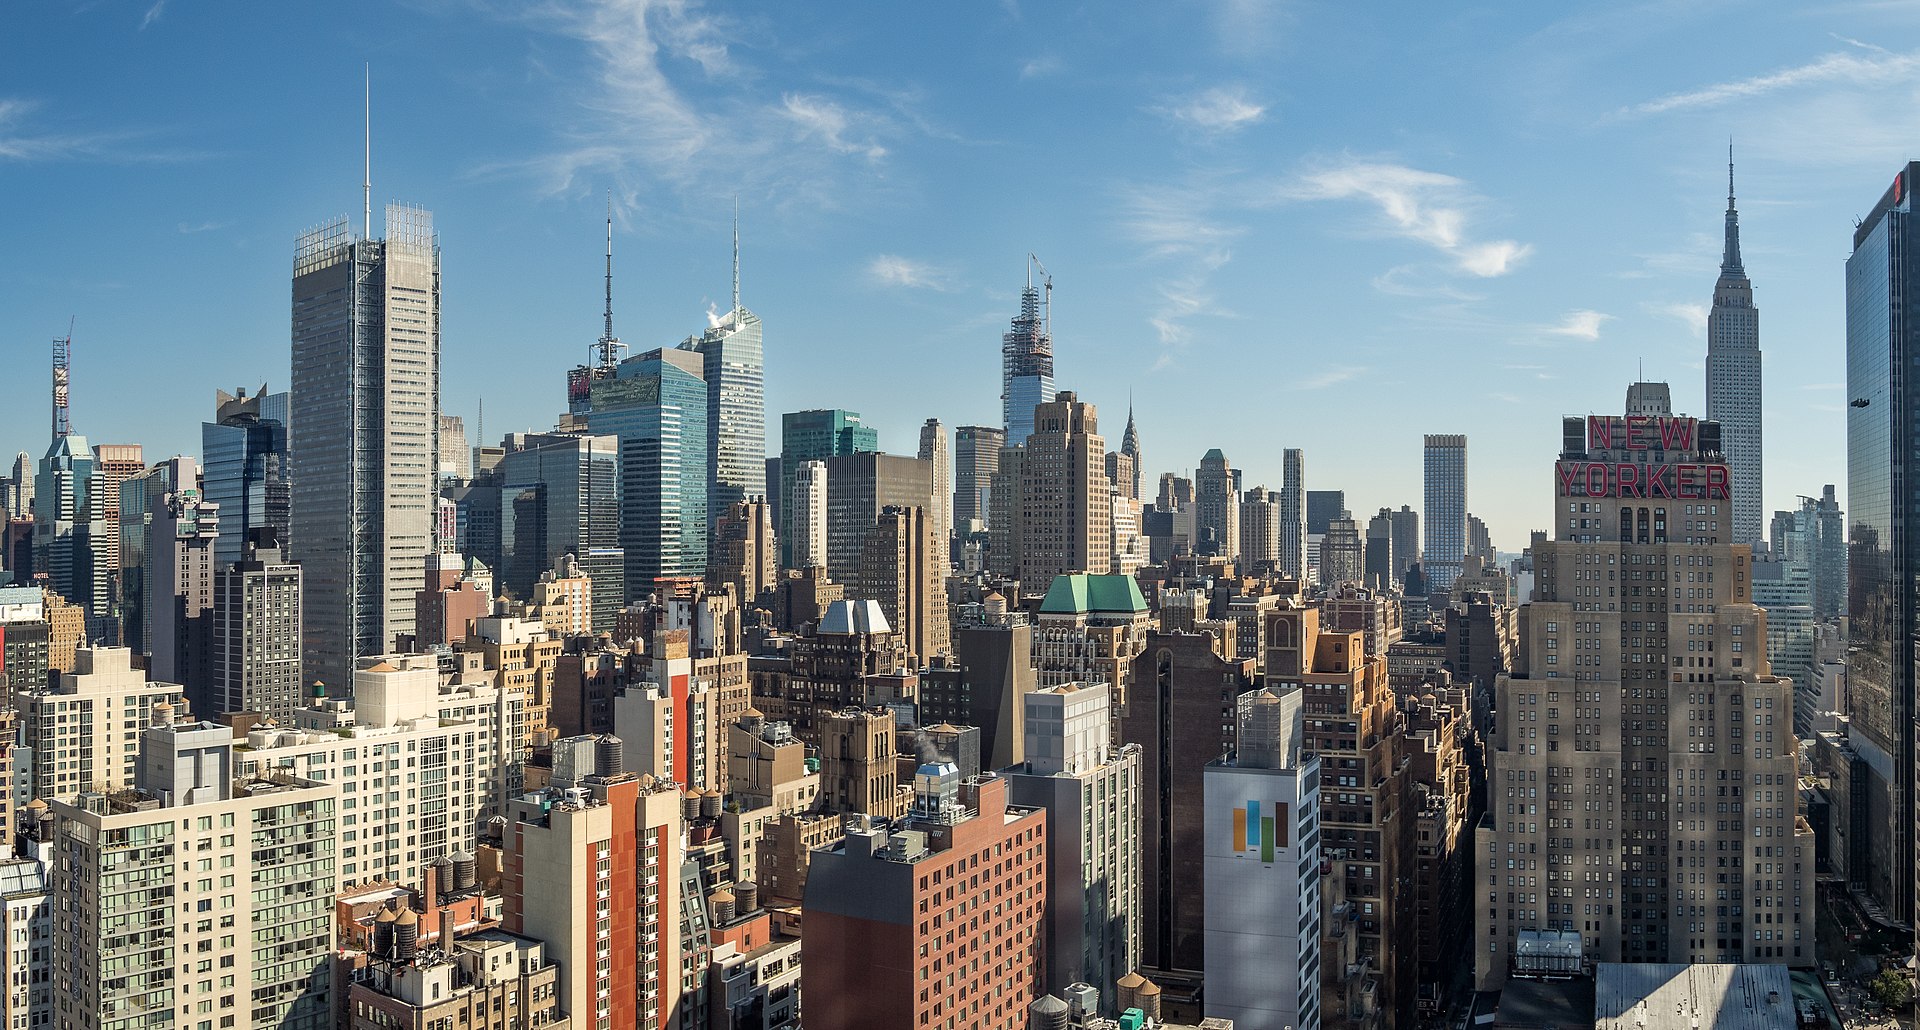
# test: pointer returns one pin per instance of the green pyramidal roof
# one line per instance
(1084, 593)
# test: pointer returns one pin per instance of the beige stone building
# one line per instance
(85, 732)
(1642, 793)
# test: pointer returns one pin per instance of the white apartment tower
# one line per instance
(234, 923)
(807, 515)
(1090, 788)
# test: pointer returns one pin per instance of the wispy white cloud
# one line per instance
(1407, 281)
(153, 14)
(894, 270)
(1579, 325)
(21, 142)
(1246, 26)
(666, 99)
(1041, 67)
(1692, 315)
(1221, 110)
(822, 118)
(1331, 377)
(1879, 69)
(1183, 227)
(192, 228)
(1429, 207)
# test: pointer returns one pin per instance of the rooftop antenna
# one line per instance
(480, 424)
(736, 253)
(609, 350)
(366, 180)
(608, 333)
(62, 360)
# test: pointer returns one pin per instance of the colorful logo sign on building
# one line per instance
(1262, 833)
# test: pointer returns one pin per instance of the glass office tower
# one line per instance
(656, 404)
(1881, 429)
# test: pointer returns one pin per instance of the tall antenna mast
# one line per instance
(366, 181)
(62, 361)
(608, 335)
(609, 350)
(736, 252)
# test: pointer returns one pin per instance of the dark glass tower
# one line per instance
(1883, 504)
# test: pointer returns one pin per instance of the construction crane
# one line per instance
(1046, 283)
(62, 361)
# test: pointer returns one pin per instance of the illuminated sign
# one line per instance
(1679, 481)
(1641, 433)
(1256, 833)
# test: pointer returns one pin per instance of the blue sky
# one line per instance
(1325, 225)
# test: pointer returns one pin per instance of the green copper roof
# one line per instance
(1084, 593)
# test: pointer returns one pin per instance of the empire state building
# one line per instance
(1733, 377)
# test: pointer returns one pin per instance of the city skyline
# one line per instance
(1376, 241)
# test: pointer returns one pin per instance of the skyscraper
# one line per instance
(244, 453)
(1066, 507)
(1446, 509)
(814, 435)
(256, 635)
(1293, 515)
(1882, 421)
(1026, 363)
(656, 403)
(1406, 541)
(976, 457)
(1733, 377)
(1323, 506)
(179, 587)
(807, 512)
(576, 480)
(933, 450)
(70, 505)
(1130, 446)
(859, 487)
(365, 431)
(1642, 687)
(735, 370)
(1216, 499)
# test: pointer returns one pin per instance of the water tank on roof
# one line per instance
(406, 935)
(746, 896)
(710, 805)
(1047, 1013)
(609, 755)
(462, 870)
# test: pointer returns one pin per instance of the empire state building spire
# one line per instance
(1730, 257)
(1734, 377)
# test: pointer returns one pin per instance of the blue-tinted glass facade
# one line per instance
(1881, 506)
(245, 462)
(815, 435)
(656, 404)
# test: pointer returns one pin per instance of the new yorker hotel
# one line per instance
(1641, 796)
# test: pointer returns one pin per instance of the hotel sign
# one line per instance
(1676, 481)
